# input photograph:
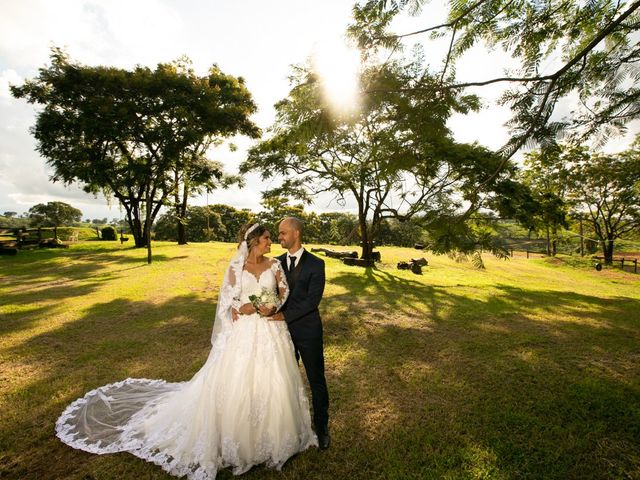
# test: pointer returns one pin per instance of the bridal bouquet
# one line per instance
(267, 298)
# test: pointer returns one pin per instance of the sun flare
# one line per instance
(338, 66)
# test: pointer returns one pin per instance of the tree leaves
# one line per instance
(565, 49)
(127, 132)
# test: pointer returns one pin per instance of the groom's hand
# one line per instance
(234, 314)
(278, 317)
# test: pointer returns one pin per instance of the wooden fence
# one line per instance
(19, 237)
(622, 261)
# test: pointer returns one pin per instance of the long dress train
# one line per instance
(246, 405)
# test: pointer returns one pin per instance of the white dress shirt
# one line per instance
(298, 256)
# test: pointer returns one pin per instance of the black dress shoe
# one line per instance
(324, 439)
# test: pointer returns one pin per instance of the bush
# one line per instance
(109, 233)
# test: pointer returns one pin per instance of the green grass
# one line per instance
(529, 369)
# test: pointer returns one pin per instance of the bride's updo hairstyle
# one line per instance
(254, 234)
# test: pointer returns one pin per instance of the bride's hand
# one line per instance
(247, 309)
(266, 311)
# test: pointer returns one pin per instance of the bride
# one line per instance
(246, 406)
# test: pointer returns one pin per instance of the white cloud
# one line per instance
(7, 78)
(255, 39)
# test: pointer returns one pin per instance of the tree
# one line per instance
(13, 221)
(54, 214)
(201, 224)
(125, 132)
(338, 228)
(10, 214)
(546, 174)
(604, 189)
(232, 219)
(402, 234)
(565, 49)
(277, 207)
(193, 173)
(393, 156)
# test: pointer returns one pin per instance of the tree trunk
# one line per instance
(136, 230)
(182, 216)
(581, 238)
(607, 247)
(554, 242)
(181, 211)
(147, 225)
(367, 250)
(182, 232)
(366, 241)
(548, 242)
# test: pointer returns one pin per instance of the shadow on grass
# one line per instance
(56, 276)
(110, 342)
(425, 382)
(522, 384)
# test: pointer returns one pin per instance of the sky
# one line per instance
(255, 39)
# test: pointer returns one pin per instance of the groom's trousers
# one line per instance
(311, 353)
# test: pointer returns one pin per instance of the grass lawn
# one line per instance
(529, 369)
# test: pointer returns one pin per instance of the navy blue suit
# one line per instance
(306, 285)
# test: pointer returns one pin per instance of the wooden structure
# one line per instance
(335, 254)
(415, 265)
(13, 239)
(359, 262)
(622, 261)
(350, 258)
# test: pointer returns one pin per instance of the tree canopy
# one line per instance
(127, 133)
(393, 155)
(54, 214)
(604, 190)
(564, 50)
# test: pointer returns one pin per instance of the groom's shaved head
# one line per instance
(294, 223)
(290, 233)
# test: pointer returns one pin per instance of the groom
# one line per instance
(305, 276)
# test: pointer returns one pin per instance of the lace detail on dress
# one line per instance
(246, 406)
(281, 279)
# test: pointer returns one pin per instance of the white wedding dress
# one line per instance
(246, 406)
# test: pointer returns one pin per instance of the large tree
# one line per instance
(125, 132)
(54, 214)
(201, 224)
(546, 174)
(393, 155)
(563, 50)
(605, 191)
(232, 219)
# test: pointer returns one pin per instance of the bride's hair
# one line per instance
(253, 236)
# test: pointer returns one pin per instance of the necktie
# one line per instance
(293, 263)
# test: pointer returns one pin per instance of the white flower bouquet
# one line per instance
(266, 298)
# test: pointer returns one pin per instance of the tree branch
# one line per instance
(443, 25)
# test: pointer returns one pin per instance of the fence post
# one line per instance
(635, 265)
(527, 253)
(622, 263)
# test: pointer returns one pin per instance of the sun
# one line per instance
(338, 66)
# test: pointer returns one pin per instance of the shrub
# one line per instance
(109, 233)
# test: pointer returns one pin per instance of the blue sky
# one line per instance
(255, 39)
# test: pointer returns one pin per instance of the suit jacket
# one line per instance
(306, 285)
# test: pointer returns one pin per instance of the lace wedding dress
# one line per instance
(246, 406)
